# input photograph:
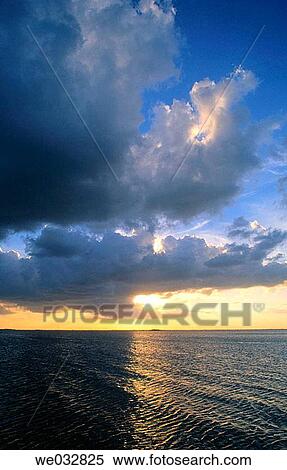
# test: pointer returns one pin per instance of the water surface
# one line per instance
(159, 390)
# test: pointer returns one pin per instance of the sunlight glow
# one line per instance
(209, 116)
(153, 299)
(158, 246)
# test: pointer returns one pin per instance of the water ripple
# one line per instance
(184, 390)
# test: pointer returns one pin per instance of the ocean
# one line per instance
(143, 390)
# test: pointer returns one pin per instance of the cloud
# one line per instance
(4, 310)
(216, 159)
(3, 234)
(74, 266)
(242, 228)
(53, 178)
(107, 53)
(264, 241)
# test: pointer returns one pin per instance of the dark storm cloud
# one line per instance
(58, 243)
(107, 53)
(73, 266)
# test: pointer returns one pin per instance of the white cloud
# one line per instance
(215, 163)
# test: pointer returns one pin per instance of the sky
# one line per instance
(141, 159)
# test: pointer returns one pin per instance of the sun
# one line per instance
(153, 299)
(158, 245)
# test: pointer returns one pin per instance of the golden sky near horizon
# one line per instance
(271, 314)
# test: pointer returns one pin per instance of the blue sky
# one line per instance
(217, 35)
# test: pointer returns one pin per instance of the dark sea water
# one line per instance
(159, 390)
